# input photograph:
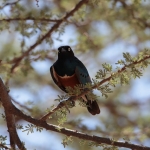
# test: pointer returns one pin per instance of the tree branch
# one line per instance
(74, 98)
(30, 18)
(17, 60)
(10, 120)
(75, 133)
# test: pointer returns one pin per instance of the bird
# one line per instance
(69, 71)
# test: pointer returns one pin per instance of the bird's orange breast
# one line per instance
(70, 81)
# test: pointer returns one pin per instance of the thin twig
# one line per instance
(30, 18)
(60, 105)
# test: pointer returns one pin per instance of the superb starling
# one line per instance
(69, 71)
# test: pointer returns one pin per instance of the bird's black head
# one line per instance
(65, 52)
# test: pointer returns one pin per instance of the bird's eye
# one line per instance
(69, 49)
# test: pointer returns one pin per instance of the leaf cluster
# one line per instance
(62, 115)
(67, 140)
(29, 128)
(131, 67)
(3, 141)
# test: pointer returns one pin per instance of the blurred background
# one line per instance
(99, 32)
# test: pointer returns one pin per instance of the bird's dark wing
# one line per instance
(83, 77)
(82, 73)
(55, 79)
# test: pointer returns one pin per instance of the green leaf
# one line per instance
(107, 67)
(124, 78)
(101, 74)
(127, 57)
(121, 62)
(67, 141)
(136, 73)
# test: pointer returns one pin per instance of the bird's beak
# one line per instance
(63, 50)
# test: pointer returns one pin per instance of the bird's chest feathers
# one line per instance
(65, 68)
(68, 81)
(66, 73)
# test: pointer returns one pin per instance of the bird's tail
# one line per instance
(93, 107)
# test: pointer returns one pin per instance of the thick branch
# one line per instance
(7, 104)
(60, 105)
(17, 60)
(75, 133)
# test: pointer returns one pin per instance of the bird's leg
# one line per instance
(69, 103)
(71, 100)
(66, 106)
